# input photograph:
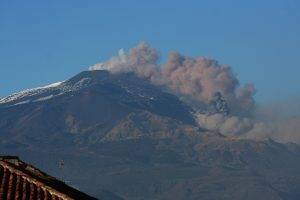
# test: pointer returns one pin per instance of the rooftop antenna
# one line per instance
(61, 165)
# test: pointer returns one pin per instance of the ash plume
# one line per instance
(197, 80)
(141, 59)
(200, 78)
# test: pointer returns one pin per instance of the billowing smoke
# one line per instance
(280, 119)
(198, 81)
(196, 78)
(227, 125)
(141, 59)
(280, 122)
(201, 78)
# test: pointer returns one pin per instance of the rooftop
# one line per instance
(19, 180)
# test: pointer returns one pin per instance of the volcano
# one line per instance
(120, 136)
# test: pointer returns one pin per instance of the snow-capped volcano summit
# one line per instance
(19, 97)
(126, 88)
(91, 102)
(43, 93)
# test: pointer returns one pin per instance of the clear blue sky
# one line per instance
(46, 41)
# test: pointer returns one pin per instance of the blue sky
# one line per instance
(46, 41)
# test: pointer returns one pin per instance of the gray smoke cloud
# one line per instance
(227, 125)
(141, 59)
(278, 121)
(281, 120)
(197, 80)
(200, 78)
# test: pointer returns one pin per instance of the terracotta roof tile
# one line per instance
(21, 181)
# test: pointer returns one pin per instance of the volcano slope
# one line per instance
(120, 136)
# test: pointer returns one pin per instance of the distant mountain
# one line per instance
(119, 135)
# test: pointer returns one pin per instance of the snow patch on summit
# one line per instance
(44, 93)
(44, 98)
(28, 93)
